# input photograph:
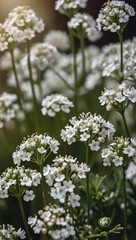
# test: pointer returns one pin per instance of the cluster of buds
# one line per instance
(53, 221)
(35, 148)
(9, 232)
(18, 181)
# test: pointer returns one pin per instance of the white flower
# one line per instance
(67, 6)
(55, 103)
(114, 15)
(129, 151)
(8, 232)
(22, 24)
(94, 145)
(118, 161)
(35, 143)
(29, 196)
(59, 39)
(74, 200)
(41, 150)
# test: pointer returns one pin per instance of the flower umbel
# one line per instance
(114, 16)
(35, 148)
(53, 221)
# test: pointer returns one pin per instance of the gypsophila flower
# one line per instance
(43, 55)
(88, 128)
(19, 180)
(8, 232)
(118, 97)
(22, 23)
(114, 16)
(55, 103)
(35, 148)
(62, 177)
(69, 7)
(7, 107)
(59, 39)
(119, 152)
(6, 39)
(53, 221)
(84, 25)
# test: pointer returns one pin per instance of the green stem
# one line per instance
(61, 78)
(125, 204)
(43, 185)
(82, 44)
(74, 69)
(87, 185)
(125, 124)
(32, 87)
(120, 34)
(24, 217)
(19, 93)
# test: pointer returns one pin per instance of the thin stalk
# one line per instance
(125, 204)
(43, 185)
(82, 44)
(19, 93)
(24, 217)
(61, 78)
(74, 69)
(125, 124)
(120, 34)
(87, 185)
(32, 86)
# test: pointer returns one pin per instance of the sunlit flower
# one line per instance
(22, 24)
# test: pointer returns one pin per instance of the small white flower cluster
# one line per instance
(54, 222)
(22, 24)
(5, 38)
(55, 103)
(19, 180)
(110, 65)
(8, 232)
(8, 107)
(35, 148)
(84, 25)
(62, 177)
(114, 16)
(119, 151)
(59, 39)
(69, 7)
(131, 172)
(43, 55)
(90, 129)
(118, 97)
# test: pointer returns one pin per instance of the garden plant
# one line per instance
(68, 126)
